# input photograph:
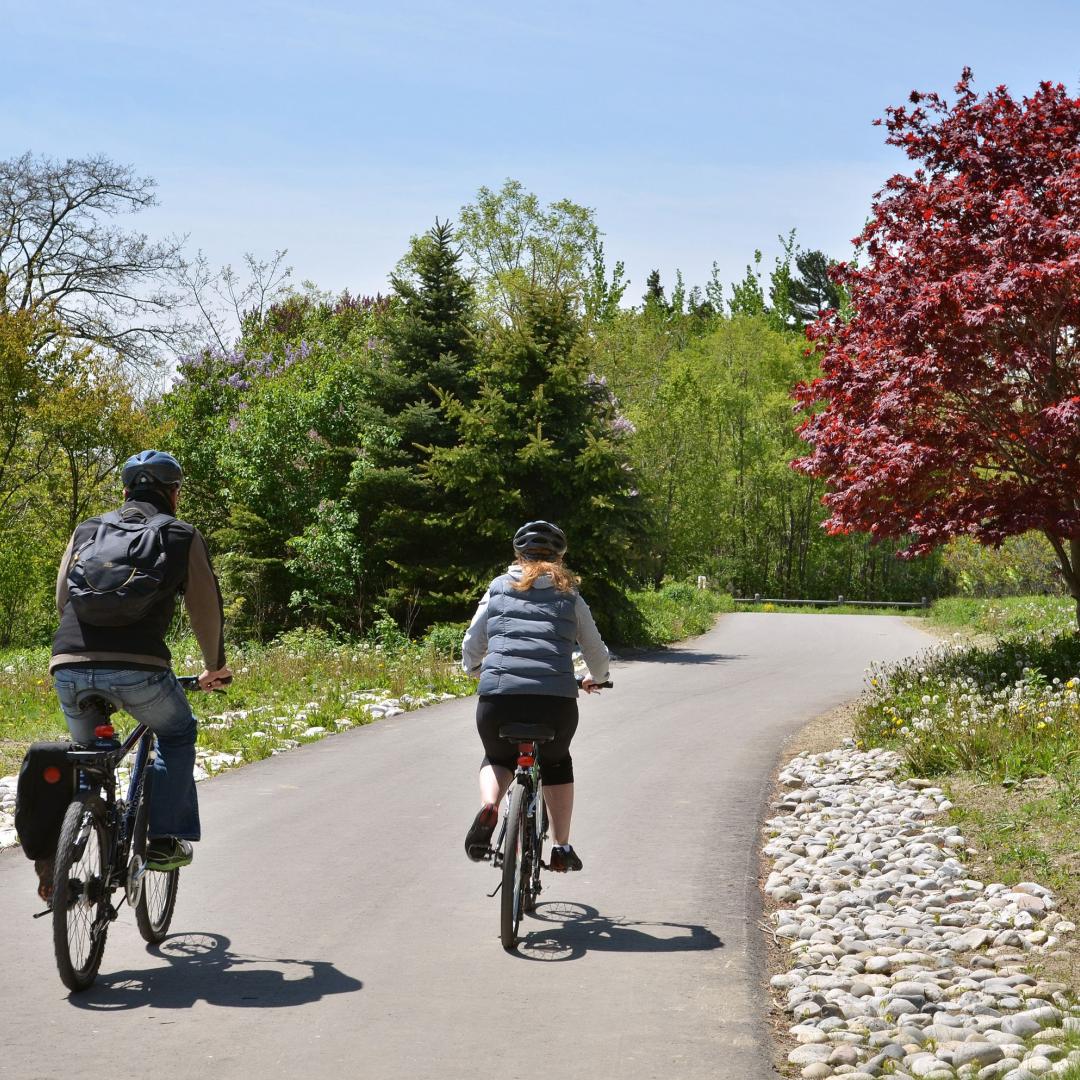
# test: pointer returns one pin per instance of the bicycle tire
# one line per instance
(157, 897)
(515, 869)
(80, 902)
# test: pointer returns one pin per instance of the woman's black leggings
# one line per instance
(558, 713)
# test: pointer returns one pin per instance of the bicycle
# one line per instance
(102, 848)
(518, 849)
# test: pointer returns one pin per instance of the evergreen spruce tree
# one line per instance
(812, 292)
(430, 352)
(654, 291)
(542, 439)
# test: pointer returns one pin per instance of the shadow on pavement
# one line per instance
(201, 968)
(684, 656)
(568, 931)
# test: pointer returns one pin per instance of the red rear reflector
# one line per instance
(104, 731)
(51, 774)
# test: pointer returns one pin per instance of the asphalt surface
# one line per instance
(331, 925)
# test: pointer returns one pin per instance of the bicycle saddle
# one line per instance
(526, 733)
(94, 698)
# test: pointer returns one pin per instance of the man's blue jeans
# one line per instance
(155, 699)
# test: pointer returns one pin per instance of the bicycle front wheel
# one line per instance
(515, 868)
(157, 896)
(80, 903)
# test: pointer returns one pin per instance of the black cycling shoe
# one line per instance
(562, 861)
(166, 853)
(478, 838)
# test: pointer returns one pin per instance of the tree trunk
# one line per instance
(1067, 563)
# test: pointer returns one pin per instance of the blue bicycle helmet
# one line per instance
(151, 469)
(539, 540)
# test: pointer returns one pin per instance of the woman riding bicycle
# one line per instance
(521, 644)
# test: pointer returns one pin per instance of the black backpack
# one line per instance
(116, 576)
(46, 786)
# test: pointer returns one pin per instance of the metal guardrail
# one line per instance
(757, 598)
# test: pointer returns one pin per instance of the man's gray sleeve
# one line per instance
(61, 577)
(202, 598)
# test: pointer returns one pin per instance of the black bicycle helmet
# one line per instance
(151, 469)
(539, 539)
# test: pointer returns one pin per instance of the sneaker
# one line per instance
(168, 853)
(478, 838)
(563, 859)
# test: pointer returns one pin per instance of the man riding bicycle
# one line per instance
(115, 611)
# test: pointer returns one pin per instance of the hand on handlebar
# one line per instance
(590, 686)
(214, 680)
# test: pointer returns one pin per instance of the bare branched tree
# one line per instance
(59, 248)
(224, 298)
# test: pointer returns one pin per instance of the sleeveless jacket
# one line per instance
(531, 636)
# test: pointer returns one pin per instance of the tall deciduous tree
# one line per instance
(949, 404)
(59, 248)
(518, 246)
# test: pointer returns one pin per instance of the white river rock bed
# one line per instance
(900, 964)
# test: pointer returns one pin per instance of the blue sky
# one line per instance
(697, 131)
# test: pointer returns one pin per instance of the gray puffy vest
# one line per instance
(531, 637)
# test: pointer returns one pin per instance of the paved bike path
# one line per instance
(331, 925)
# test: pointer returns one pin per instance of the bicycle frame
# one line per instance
(98, 770)
(527, 773)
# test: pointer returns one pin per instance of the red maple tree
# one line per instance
(949, 398)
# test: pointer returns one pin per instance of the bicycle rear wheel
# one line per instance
(157, 896)
(80, 903)
(515, 867)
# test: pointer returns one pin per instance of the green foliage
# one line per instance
(810, 290)
(1022, 614)
(748, 296)
(1008, 710)
(542, 439)
(712, 448)
(67, 419)
(446, 639)
(362, 462)
(270, 435)
(432, 352)
(675, 611)
(520, 248)
(1023, 565)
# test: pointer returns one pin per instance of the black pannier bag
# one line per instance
(46, 786)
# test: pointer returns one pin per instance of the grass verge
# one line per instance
(305, 685)
(295, 690)
(994, 716)
(834, 609)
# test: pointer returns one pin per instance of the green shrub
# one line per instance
(1009, 711)
(1022, 565)
(675, 611)
(446, 638)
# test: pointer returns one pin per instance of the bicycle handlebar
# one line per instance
(600, 685)
(190, 683)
